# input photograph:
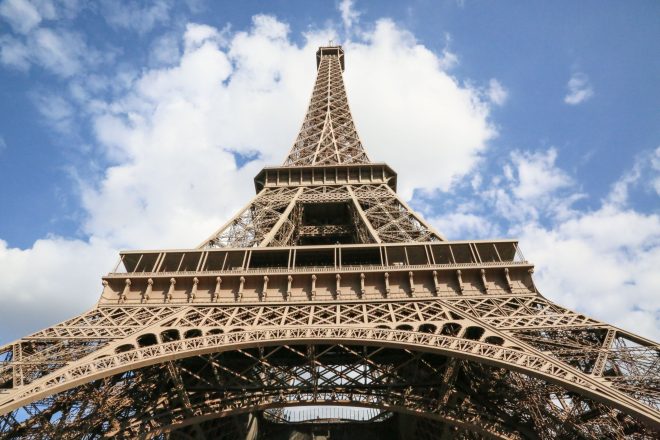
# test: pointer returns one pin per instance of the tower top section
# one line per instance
(334, 51)
(328, 135)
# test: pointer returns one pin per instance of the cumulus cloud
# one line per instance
(603, 263)
(198, 34)
(579, 89)
(49, 282)
(437, 128)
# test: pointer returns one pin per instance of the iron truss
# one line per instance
(328, 290)
(274, 217)
(328, 134)
(530, 341)
(184, 393)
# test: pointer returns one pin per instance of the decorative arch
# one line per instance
(160, 389)
(529, 363)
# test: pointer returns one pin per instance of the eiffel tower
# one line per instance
(328, 309)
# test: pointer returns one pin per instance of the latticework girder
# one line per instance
(274, 217)
(438, 326)
(485, 400)
(328, 134)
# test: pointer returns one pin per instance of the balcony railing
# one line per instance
(181, 262)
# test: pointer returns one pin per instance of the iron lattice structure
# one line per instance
(327, 289)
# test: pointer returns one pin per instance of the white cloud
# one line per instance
(47, 283)
(459, 224)
(531, 188)
(437, 128)
(655, 165)
(496, 92)
(579, 89)
(3, 144)
(26, 15)
(59, 51)
(140, 18)
(198, 34)
(58, 112)
(537, 174)
(48, 11)
(644, 173)
(621, 188)
(603, 263)
(172, 136)
(20, 14)
(50, 45)
(349, 16)
(178, 120)
(14, 53)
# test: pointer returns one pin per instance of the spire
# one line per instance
(328, 134)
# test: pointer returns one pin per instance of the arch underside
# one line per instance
(192, 396)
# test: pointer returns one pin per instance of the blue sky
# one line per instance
(141, 125)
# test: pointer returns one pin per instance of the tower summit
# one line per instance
(328, 134)
(330, 50)
(327, 291)
(327, 191)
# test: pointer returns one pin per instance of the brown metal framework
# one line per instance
(327, 289)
